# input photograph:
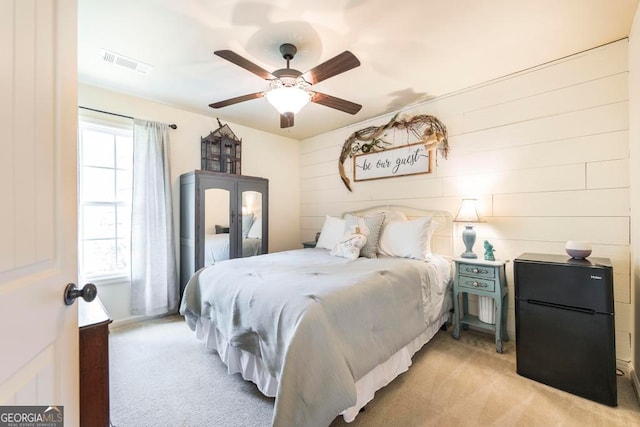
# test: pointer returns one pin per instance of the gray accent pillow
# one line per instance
(370, 225)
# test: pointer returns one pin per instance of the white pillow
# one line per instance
(255, 232)
(332, 232)
(349, 247)
(406, 239)
(432, 229)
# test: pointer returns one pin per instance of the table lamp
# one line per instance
(468, 214)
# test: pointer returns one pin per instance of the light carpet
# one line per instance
(161, 375)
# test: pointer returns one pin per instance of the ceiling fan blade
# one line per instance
(337, 103)
(233, 57)
(336, 65)
(236, 100)
(286, 120)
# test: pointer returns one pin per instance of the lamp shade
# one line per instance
(288, 99)
(468, 212)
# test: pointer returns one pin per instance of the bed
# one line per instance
(321, 333)
(216, 247)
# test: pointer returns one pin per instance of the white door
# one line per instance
(38, 232)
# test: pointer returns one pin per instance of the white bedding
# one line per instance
(216, 247)
(253, 369)
(310, 273)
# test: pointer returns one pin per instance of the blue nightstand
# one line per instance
(485, 279)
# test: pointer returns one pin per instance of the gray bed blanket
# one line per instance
(318, 322)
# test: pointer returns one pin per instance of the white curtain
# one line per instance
(154, 276)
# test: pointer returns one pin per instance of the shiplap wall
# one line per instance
(545, 151)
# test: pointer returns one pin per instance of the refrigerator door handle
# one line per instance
(562, 307)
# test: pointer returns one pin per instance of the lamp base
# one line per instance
(469, 238)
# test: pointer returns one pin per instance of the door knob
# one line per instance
(88, 293)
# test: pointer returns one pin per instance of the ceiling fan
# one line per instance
(289, 88)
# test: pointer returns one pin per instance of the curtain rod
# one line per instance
(172, 126)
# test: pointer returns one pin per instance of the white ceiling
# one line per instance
(410, 50)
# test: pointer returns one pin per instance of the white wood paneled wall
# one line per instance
(545, 151)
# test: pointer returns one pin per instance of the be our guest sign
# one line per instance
(408, 159)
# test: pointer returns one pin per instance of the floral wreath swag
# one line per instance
(427, 129)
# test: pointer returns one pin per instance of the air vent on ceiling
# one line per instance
(125, 62)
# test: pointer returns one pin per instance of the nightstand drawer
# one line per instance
(476, 283)
(476, 270)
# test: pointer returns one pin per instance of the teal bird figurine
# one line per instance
(488, 251)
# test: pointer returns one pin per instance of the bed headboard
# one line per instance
(442, 238)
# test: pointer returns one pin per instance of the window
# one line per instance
(105, 162)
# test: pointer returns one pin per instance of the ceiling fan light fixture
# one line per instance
(288, 97)
(290, 90)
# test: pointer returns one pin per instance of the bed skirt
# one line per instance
(252, 369)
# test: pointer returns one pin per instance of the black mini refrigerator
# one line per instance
(565, 324)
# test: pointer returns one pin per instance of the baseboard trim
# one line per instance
(635, 383)
(121, 323)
